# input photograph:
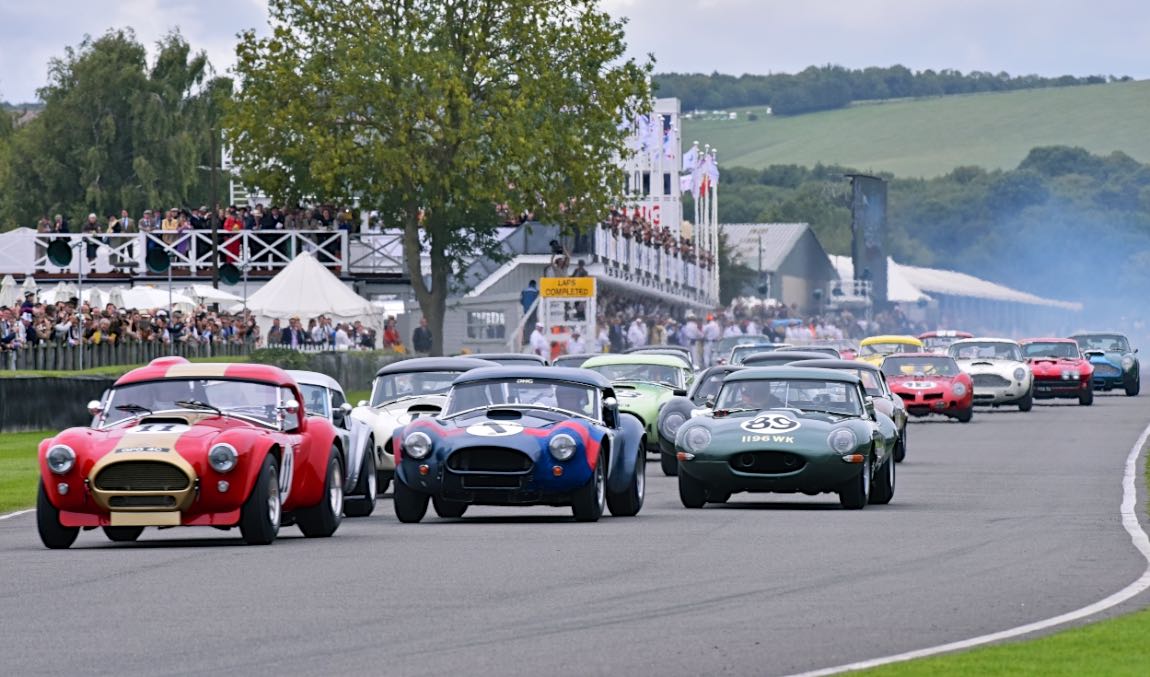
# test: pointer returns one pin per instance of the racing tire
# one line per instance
(52, 534)
(883, 489)
(261, 514)
(322, 519)
(382, 482)
(900, 447)
(718, 496)
(367, 488)
(448, 509)
(965, 415)
(123, 534)
(1134, 387)
(1027, 401)
(669, 464)
(590, 500)
(410, 505)
(629, 502)
(1086, 397)
(856, 492)
(692, 492)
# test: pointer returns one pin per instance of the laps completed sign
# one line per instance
(567, 287)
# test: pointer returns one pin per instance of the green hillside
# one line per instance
(929, 137)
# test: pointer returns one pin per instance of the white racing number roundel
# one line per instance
(494, 429)
(775, 423)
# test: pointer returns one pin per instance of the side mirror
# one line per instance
(709, 403)
(361, 403)
(870, 406)
(95, 407)
(290, 407)
(679, 392)
(611, 412)
(345, 408)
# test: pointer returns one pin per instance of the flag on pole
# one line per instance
(691, 159)
(711, 170)
(668, 143)
(687, 184)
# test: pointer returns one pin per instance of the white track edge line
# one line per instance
(1139, 538)
(17, 513)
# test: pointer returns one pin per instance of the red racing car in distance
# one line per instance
(1060, 370)
(930, 384)
(939, 341)
(181, 444)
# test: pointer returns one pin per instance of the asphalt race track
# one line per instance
(1010, 519)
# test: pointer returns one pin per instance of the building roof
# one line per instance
(778, 239)
(898, 288)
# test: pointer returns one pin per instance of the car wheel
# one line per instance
(1086, 397)
(368, 488)
(965, 415)
(692, 492)
(1027, 402)
(1133, 387)
(52, 534)
(669, 464)
(900, 446)
(261, 513)
(322, 519)
(883, 489)
(629, 502)
(591, 500)
(383, 481)
(123, 534)
(410, 505)
(856, 492)
(448, 509)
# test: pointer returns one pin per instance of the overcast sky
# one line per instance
(1077, 37)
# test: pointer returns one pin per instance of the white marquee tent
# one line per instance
(307, 289)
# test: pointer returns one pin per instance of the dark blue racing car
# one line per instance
(522, 435)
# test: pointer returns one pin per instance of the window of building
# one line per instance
(486, 324)
(646, 183)
(666, 183)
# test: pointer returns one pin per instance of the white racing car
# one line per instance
(998, 371)
(324, 397)
(400, 392)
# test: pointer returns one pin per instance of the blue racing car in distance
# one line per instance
(522, 435)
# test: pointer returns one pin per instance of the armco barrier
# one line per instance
(39, 403)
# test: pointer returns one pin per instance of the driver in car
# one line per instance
(573, 399)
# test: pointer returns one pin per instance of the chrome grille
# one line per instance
(141, 476)
(1106, 370)
(989, 381)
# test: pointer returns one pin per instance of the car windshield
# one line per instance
(570, 360)
(576, 398)
(740, 353)
(708, 387)
(245, 398)
(1058, 349)
(835, 397)
(988, 350)
(725, 344)
(888, 348)
(927, 366)
(391, 387)
(1111, 343)
(316, 401)
(653, 373)
(939, 344)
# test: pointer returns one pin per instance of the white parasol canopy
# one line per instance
(148, 298)
(205, 293)
(9, 293)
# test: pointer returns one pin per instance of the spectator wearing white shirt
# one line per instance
(538, 342)
(342, 340)
(732, 330)
(711, 333)
(576, 345)
(637, 334)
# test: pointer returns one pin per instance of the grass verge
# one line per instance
(18, 471)
(1115, 647)
(112, 370)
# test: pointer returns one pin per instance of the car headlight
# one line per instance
(696, 439)
(222, 457)
(1019, 374)
(959, 390)
(417, 445)
(672, 423)
(562, 447)
(1074, 373)
(842, 440)
(1127, 361)
(60, 459)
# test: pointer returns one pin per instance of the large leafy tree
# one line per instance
(116, 132)
(435, 112)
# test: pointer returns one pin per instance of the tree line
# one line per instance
(1065, 223)
(827, 87)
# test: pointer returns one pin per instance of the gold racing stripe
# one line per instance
(204, 370)
(147, 442)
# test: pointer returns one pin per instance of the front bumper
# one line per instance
(1108, 376)
(537, 485)
(937, 401)
(820, 472)
(1000, 394)
(1055, 388)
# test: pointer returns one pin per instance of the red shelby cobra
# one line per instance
(930, 384)
(1060, 370)
(181, 444)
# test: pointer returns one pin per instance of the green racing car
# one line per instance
(643, 383)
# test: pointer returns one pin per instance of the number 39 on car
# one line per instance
(179, 444)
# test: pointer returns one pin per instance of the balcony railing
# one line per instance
(630, 260)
